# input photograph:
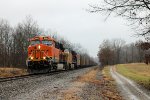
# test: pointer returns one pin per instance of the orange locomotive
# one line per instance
(46, 53)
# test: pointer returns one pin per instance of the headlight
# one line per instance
(39, 47)
(31, 58)
(44, 57)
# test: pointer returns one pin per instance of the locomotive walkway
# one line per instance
(128, 88)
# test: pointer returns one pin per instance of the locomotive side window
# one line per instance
(35, 42)
(47, 42)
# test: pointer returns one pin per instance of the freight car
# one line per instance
(45, 53)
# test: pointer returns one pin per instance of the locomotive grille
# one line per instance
(38, 54)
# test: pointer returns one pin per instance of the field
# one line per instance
(138, 72)
(11, 72)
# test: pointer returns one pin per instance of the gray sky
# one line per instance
(70, 19)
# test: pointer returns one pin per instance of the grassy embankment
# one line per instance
(138, 72)
(11, 72)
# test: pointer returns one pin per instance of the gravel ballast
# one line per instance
(81, 84)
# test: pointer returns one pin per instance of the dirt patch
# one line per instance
(89, 77)
(92, 86)
(79, 83)
(11, 72)
(71, 94)
(109, 89)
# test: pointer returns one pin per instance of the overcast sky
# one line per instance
(70, 19)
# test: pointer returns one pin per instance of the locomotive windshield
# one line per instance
(35, 42)
(47, 42)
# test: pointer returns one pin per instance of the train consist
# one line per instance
(45, 53)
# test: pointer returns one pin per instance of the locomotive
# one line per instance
(45, 53)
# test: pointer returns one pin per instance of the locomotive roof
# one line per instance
(42, 38)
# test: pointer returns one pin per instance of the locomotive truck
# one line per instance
(45, 53)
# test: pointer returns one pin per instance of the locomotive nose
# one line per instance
(39, 47)
(40, 52)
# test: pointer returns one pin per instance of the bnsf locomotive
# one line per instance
(45, 53)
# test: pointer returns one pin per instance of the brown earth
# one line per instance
(92, 86)
(11, 72)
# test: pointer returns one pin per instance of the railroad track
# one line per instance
(30, 75)
(35, 75)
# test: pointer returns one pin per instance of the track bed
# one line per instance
(80, 84)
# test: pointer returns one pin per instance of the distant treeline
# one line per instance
(117, 52)
(14, 41)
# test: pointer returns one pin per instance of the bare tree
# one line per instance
(5, 31)
(139, 49)
(135, 11)
(117, 46)
(22, 33)
(106, 53)
(116, 52)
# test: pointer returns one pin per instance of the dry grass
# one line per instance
(79, 83)
(89, 77)
(11, 72)
(110, 90)
(102, 86)
(139, 72)
(107, 75)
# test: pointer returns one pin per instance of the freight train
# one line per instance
(45, 53)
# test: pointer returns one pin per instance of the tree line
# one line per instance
(14, 41)
(117, 52)
(137, 13)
